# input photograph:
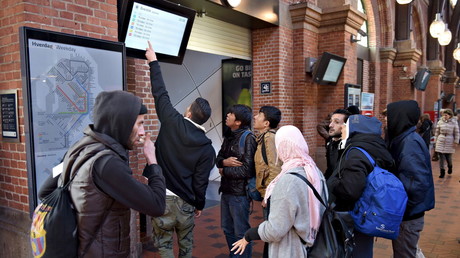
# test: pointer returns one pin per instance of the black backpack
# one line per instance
(335, 235)
(54, 229)
(251, 188)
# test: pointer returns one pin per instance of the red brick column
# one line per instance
(385, 94)
(433, 89)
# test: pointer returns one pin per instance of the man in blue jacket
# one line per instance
(186, 156)
(413, 168)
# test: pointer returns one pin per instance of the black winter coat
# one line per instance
(234, 179)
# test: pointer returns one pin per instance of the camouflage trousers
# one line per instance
(179, 216)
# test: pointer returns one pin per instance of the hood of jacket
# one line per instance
(365, 132)
(115, 113)
(401, 116)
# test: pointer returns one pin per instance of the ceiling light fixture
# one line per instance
(445, 37)
(457, 53)
(232, 3)
(403, 1)
(437, 26)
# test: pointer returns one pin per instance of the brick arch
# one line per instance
(380, 21)
(420, 31)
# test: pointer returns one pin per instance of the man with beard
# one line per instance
(338, 118)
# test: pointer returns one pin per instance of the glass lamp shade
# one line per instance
(437, 26)
(403, 1)
(445, 37)
(457, 53)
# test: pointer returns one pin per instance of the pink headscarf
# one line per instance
(293, 150)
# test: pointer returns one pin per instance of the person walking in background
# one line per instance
(236, 168)
(447, 137)
(104, 190)
(187, 157)
(294, 211)
(425, 129)
(413, 168)
(347, 185)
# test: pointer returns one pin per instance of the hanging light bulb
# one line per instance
(457, 53)
(445, 37)
(403, 1)
(437, 26)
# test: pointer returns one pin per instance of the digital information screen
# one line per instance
(164, 30)
(333, 70)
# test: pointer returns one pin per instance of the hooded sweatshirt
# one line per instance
(348, 182)
(412, 158)
(104, 190)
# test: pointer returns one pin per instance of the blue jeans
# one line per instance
(234, 214)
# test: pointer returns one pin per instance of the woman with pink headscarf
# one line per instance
(294, 211)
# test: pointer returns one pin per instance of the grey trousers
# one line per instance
(405, 246)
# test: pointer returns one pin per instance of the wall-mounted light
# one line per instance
(403, 1)
(437, 26)
(445, 37)
(232, 3)
(358, 37)
(457, 53)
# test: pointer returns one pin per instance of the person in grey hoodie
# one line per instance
(104, 191)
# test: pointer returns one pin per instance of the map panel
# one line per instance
(65, 80)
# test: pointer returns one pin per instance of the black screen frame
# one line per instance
(321, 66)
(164, 6)
(26, 33)
(418, 82)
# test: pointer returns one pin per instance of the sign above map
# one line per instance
(62, 75)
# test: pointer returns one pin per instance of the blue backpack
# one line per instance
(251, 188)
(380, 209)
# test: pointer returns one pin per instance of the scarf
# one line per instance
(293, 150)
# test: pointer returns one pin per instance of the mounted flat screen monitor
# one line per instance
(167, 26)
(328, 69)
(421, 79)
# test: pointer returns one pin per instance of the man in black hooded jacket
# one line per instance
(186, 156)
(347, 183)
(413, 168)
(104, 190)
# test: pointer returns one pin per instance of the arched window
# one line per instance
(364, 39)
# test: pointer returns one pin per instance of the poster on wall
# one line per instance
(236, 86)
(62, 75)
(367, 103)
(9, 115)
(352, 95)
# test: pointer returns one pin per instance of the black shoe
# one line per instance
(443, 173)
(449, 170)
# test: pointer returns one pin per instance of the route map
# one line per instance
(65, 80)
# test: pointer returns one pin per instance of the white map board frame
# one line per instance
(61, 76)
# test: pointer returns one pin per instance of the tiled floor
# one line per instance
(440, 237)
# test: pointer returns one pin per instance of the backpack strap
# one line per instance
(365, 153)
(311, 186)
(264, 151)
(243, 140)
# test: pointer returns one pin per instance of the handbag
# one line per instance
(335, 234)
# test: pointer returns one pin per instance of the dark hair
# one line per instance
(242, 113)
(354, 110)
(201, 111)
(272, 115)
(344, 112)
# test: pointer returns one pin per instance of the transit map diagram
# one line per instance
(65, 80)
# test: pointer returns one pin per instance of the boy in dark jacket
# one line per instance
(413, 168)
(236, 168)
(186, 156)
(353, 167)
